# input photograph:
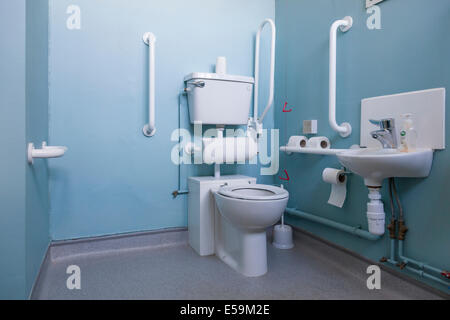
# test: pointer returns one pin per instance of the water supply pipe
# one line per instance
(421, 266)
(357, 231)
(345, 129)
(180, 191)
(405, 262)
(270, 22)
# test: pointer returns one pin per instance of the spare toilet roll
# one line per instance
(338, 181)
(319, 143)
(229, 150)
(298, 142)
(221, 65)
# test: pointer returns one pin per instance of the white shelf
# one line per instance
(323, 152)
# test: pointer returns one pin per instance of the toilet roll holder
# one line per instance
(345, 172)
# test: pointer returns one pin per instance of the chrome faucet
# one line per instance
(387, 134)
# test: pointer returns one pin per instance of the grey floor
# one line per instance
(313, 270)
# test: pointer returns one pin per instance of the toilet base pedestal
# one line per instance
(254, 253)
(243, 250)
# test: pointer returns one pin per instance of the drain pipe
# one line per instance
(357, 231)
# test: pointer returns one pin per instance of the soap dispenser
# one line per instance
(408, 134)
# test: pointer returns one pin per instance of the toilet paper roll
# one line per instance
(338, 181)
(298, 142)
(221, 65)
(229, 150)
(319, 143)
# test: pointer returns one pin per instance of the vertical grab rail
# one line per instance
(150, 128)
(272, 70)
(345, 129)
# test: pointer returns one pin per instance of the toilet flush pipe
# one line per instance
(333, 224)
(344, 129)
(272, 70)
(150, 128)
(217, 165)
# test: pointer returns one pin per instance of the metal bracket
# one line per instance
(371, 3)
(349, 25)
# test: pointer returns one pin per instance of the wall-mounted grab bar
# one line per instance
(272, 70)
(345, 24)
(150, 128)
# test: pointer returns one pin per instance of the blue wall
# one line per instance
(24, 219)
(410, 52)
(37, 200)
(12, 138)
(113, 179)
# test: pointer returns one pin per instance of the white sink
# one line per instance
(375, 165)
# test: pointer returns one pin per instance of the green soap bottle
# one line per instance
(408, 134)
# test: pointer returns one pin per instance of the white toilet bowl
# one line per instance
(250, 209)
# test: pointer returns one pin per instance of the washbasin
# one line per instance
(375, 165)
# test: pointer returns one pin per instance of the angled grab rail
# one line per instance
(272, 70)
(150, 128)
(345, 129)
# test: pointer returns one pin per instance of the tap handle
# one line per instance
(388, 123)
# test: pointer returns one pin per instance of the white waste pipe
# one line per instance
(344, 129)
(150, 128)
(272, 70)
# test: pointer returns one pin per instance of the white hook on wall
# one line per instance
(345, 129)
(150, 128)
(45, 152)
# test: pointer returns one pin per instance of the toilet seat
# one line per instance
(255, 192)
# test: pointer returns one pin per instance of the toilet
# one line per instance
(250, 209)
(228, 215)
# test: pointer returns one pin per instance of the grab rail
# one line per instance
(344, 129)
(150, 128)
(272, 70)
